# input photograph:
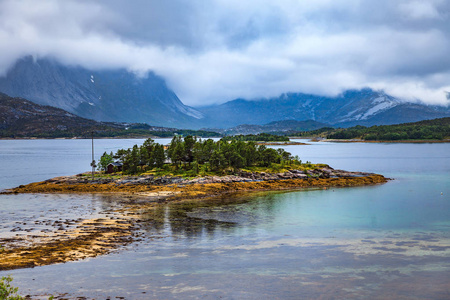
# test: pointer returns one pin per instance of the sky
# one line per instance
(213, 51)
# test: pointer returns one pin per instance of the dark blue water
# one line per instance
(386, 241)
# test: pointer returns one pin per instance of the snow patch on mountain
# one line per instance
(377, 108)
(189, 111)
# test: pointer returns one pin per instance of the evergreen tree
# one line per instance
(189, 142)
(148, 152)
(176, 151)
(159, 156)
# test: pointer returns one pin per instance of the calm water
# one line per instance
(388, 241)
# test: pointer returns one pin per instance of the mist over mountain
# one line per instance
(107, 95)
(117, 95)
(364, 107)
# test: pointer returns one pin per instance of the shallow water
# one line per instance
(385, 242)
(34, 214)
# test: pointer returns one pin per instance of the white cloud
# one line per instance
(420, 9)
(214, 51)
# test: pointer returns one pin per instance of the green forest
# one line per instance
(191, 156)
(437, 129)
(83, 128)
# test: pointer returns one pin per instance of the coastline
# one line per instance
(313, 140)
(290, 143)
(95, 237)
(131, 137)
(210, 186)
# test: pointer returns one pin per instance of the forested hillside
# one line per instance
(437, 129)
(20, 118)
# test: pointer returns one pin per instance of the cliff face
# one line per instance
(108, 95)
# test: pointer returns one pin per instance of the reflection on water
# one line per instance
(378, 242)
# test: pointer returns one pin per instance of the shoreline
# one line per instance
(181, 189)
(312, 140)
(93, 237)
(86, 138)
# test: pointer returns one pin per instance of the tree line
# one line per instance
(192, 154)
(436, 129)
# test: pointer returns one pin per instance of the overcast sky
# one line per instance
(212, 51)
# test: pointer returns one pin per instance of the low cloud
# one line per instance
(215, 51)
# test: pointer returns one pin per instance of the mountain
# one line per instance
(364, 107)
(22, 118)
(121, 96)
(107, 95)
(273, 127)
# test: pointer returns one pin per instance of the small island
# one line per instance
(192, 168)
(143, 177)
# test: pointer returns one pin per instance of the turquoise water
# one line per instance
(387, 241)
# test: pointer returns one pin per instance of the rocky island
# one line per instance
(196, 171)
(166, 188)
(92, 237)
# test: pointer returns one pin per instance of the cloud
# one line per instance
(420, 9)
(214, 51)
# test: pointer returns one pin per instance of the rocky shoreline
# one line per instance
(84, 183)
(95, 237)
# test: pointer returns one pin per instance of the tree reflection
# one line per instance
(174, 219)
(199, 218)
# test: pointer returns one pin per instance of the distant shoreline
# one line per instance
(314, 140)
(310, 139)
(88, 138)
(290, 143)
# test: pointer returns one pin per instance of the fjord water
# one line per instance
(385, 241)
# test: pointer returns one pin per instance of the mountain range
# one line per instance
(105, 95)
(121, 96)
(353, 107)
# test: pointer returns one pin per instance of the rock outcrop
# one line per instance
(242, 176)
